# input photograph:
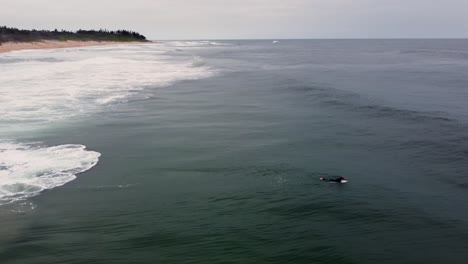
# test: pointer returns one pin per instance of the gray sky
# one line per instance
(246, 19)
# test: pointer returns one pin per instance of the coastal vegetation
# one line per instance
(8, 34)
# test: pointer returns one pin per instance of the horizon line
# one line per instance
(390, 38)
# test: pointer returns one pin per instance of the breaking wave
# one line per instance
(28, 169)
(41, 88)
(82, 82)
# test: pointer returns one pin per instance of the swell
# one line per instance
(456, 53)
(348, 101)
(432, 137)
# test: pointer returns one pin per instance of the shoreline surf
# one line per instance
(56, 44)
(44, 90)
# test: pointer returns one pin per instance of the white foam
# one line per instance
(37, 90)
(26, 170)
(193, 43)
(41, 88)
(197, 61)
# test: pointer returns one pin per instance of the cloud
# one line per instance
(171, 19)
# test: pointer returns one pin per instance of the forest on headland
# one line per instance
(9, 34)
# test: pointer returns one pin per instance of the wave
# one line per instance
(439, 53)
(355, 103)
(194, 43)
(6, 59)
(197, 61)
(107, 187)
(82, 82)
(41, 88)
(28, 169)
(430, 136)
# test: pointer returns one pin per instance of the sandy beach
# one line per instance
(52, 44)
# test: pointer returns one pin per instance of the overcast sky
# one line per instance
(247, 19)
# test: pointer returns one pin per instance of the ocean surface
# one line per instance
(211, 152)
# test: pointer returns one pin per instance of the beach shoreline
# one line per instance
(53, 44)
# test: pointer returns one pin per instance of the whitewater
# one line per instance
(45, 89)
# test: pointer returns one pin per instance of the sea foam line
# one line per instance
(28, 169)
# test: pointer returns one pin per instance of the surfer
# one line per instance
(341, 179)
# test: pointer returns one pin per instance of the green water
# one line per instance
(225, 170)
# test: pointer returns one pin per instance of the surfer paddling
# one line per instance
(337, 180)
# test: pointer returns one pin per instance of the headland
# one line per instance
(12, 39)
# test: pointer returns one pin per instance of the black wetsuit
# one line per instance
(335, 180)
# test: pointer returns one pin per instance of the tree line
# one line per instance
(23, 35)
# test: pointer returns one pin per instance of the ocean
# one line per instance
(211, 152)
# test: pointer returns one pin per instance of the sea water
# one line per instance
(211, 152)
